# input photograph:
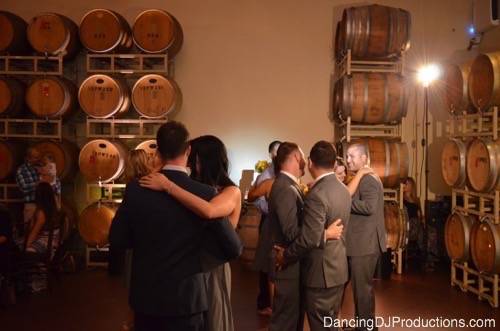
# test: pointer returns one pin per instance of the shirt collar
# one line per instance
(295, 179)
(175, 168)
(322, 176)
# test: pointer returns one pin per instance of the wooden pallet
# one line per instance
(9, 193)
(123, 128)
(105, 192)
(347, 130)
(479, 204)
(89, 259)
(345, 66)
(483, 124)
(31, 65)
(31, 128)
(129, 63)
(476, 282)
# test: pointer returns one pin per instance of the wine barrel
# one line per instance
(388, 158)
(157, 31)
(484, 81)
(375, 32)
(103, 30)
(453, 163)
(397, 225)
(485, 246)
(371, 98)
(339, 34)
(95, 222)
(102, 160)
(483, 162)
(457, 234)
(248, 231)
(13, 37)
(154, 96)
(102, 96)
(456, 87)
(53, 34)
(10, 158)
(11, 96)
(51, 97)
(64, 154)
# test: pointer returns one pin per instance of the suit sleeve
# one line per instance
(312, 231)
(286, 210)
(365, 203)
(120, 234)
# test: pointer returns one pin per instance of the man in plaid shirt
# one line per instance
(27, 179)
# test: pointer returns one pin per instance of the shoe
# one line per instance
(265, 311)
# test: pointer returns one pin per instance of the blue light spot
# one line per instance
(472, 30)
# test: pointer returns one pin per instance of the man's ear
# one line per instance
(188, 151)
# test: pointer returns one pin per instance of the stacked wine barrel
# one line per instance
(37, 97)
(105, 96)
(372, 34)
(473, 164)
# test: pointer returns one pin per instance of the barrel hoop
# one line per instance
(365, 97)
(391, 30)
(367, 35)
(387, 100)
(387, 159)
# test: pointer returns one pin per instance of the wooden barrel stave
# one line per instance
(51, 97)
(95, 222)
(456, 87)
(396, 225)
(371, 98)
(457, 235)
(155, 96)
(248, 231)
(53, 34)
(103, 30)
(103, 96)
(453, 163)
(485, 246)
(157, 31)
(484, 81)
(102, 160)
(483, 161)
(12, 94)
(13, 37)
(375, 32)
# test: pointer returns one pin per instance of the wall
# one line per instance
(259, 70)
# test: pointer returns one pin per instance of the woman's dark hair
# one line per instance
(45, 199)
(286, 148)
(211, 155)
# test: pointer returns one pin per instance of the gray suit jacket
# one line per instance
(286, 205)
(324, 265)
(366, 231)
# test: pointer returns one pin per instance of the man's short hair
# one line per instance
(172, 140)
(361, 147)
(323, 155)
(271, 145)
(286, 148)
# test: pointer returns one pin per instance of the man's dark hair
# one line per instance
(271, 145)
(323, 155)
(172, 140)
(286, 148)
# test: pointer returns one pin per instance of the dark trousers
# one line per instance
(288, 314)
(264, 297)
(362, 269)
(323, 304)
(195, 322)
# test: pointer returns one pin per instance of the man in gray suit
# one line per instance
(324, 262)
(285, 213)
(366, 236)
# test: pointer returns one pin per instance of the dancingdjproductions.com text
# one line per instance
(411, 323)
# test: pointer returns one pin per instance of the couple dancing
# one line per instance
(311, 248)
(181, 230)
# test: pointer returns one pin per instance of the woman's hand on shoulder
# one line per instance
(156, 181)
(366, 170)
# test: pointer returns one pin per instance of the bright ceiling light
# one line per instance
(428, 73)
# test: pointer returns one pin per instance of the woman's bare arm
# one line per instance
(37, 227)
(222, 205)
(260, 190)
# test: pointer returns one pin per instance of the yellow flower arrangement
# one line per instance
(261, 165)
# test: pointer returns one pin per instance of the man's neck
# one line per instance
(179, 162)
(320, 172)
